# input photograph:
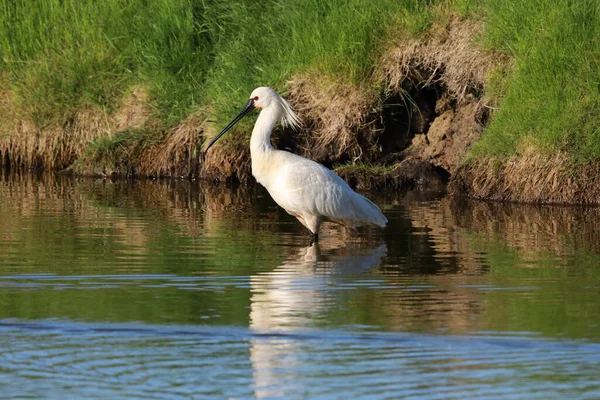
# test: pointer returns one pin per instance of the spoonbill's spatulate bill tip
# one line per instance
(302, 187)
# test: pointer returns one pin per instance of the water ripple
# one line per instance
(150, 361)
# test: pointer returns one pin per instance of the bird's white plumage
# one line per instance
(304, 188)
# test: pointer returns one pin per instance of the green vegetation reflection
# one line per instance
(171, 252)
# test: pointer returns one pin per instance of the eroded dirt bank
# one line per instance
(414, 129)
(411, 125)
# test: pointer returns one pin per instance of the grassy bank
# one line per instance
(551, 98)
(195, 61)
(543, 142)
(188, 56)
(62, 55)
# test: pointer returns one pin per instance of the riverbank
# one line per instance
(423, 95)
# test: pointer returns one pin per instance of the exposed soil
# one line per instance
(434, 108)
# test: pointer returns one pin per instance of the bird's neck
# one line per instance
(261, 150)
(260, 142)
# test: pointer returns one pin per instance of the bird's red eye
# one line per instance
(255, 98)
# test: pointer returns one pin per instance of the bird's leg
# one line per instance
(314, 238)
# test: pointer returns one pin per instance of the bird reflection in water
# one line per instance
(300, 294)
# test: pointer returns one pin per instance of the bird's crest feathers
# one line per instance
(288, 117)
(267, 97)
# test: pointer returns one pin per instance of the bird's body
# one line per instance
(304, 188)
(311, 192)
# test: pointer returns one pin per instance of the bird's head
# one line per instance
(264, 98)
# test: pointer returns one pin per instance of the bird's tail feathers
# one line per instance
(372, 213)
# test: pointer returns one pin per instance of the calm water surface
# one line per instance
(169, 290)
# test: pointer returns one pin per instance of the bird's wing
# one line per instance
(299, 183)
(306, 187)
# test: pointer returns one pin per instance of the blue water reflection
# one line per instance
(52, 359)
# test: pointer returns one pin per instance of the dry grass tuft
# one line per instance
(126, 142)
(134, 112)
(340, 118)
(222, 163)
(178, 154)
(529, 177)
(53, 147)
(447, 55)
(56, 146)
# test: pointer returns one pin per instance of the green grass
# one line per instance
(64, 54)
(552, 96)
(61, 55)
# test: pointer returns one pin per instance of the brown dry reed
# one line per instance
(447, 54)
(529, 177)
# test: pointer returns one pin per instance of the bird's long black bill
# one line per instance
(247, 108)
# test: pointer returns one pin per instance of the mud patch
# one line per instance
(450, 136)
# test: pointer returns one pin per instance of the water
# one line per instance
(169, 290)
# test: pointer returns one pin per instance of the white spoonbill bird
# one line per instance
(305, 189)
